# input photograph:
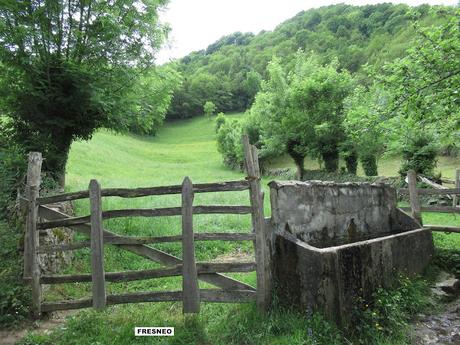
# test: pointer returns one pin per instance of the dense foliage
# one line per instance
(229, 71)
(70, 67)
(308, 107)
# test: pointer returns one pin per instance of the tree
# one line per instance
(302, 113)
(365, 130)
(422, 86)
(68, 67)
(315, 116)
(209, 109)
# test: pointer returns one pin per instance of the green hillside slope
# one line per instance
(228, 72)
(181, 148)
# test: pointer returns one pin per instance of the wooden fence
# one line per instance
(415, 205)
(41, 217)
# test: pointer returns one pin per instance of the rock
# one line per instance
(450, 286)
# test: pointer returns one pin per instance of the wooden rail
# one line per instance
(201, 267)
(230, 186)
(431, 191)
(206, 295)
(153, 212)
(415, 207)
(211, 236)
(231, 290)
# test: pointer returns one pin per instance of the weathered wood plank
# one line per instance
(440, 209)
(206, 295)
(430, 191)
(413, 196)
(190, 288)
(31, 240)
(154, 212)
(258, 224)
(457, 186)
(229, 186)
(211, 236)
(201, 267)
(220, 296)
(442, 228)
(97, 247)
(31, 193)
(220, 280)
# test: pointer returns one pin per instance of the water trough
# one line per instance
(335, 243)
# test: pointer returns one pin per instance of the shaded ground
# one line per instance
(46, 326)
(442, 328)
(439, 329)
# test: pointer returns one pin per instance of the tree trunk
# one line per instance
(369, 163)
(331, 160)
(351, 161)
(56, 157)
(297, 157)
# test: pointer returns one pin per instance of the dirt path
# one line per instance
(11, 337)
(441, 328)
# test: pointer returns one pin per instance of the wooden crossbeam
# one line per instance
(154, 212)
(205, 236)
(206, 295)
(201, 267)
(230, 186)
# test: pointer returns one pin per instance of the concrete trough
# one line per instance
(336, 243)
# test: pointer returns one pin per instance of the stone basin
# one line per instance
(336, 243)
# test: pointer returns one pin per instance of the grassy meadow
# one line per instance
(183, 148)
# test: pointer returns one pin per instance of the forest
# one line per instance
(346, 87)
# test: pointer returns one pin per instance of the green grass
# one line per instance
(181, 148)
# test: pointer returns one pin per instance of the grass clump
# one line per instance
(385, 319)
(15, 297)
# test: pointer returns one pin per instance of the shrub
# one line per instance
(220, 120)
(209, 108)
(419, 154)
(385, 318)
(229, 143)
(14, 295)
(12, 169)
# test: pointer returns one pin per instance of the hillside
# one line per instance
(181, 148)
(229, 71)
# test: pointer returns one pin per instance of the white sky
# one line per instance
(197, 23)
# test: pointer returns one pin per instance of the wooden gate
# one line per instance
(41, 217)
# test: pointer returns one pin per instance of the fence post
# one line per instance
(457, 185)
(413, 196)
(190, 287)
(97, 247)
(31, 239)
(258, 222)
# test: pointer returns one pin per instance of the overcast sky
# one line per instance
(197, 23)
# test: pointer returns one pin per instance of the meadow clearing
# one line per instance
(182, 148)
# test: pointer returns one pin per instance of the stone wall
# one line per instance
(56, 261)
(326, 213)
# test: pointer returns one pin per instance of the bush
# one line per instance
(419, 154)
(220, 120)
(12, 170)
(385, 318)
(209, 108)
(229, 144)
(14, 295)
